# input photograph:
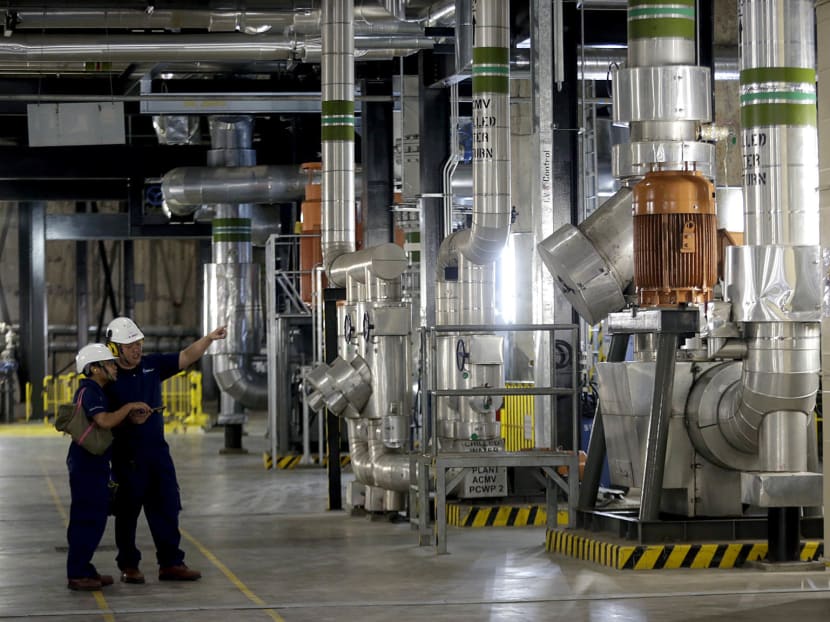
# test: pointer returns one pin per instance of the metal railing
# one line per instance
(181, 396)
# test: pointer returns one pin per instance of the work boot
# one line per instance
(84, 584)
(105, 579)
(132, 575)
(178, 573)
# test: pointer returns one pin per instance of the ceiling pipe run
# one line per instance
(185, 188)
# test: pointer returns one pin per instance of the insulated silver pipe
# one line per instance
(374, 464)
(464, 30)
(145, 48)
(780, 373)
(247, 21)
(337, 133)
(491, 134)
(186, 187)
(232, 280)
(778, 119)
(490, 229)
(369, 19)
(386, 261)
(780, 146)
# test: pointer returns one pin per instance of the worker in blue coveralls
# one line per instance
(141, 458)
(89, 475)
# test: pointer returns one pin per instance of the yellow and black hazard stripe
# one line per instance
(288, 462)
(293, 461)
(659, 556)
(461, 515)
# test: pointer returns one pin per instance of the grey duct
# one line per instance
(247, 21)
(232, 295)
(368, 20)
(43, 50)
(463, 36)
(774, 282)
(185, 188)
(145, 48)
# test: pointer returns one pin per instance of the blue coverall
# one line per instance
(143, 466)
(89, 477)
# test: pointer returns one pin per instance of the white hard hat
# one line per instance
(123, 330)
(92, 353)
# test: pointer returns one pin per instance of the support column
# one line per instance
(377, 141)
(433, 147)
(81, 287)
(330, 298)
(32, 246)
(658, 426)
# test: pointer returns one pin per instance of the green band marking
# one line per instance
(662, 12)
(491, 56)
(491, 84)
(338, 107)
(633, 4)
(759, 115)
(231, 222)
(337, 132)
(231, 237)
(793, 96)
(491, 69)
(338, 121)
(778, 74)
(661, 28)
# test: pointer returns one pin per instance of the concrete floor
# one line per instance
(269, 550)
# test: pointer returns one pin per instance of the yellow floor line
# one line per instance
(231, 576)
(102, 604)
(57, 500)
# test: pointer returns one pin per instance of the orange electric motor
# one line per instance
(675, 238)
(311, 253)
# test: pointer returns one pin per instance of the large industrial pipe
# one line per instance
(490, 228)
(232, 280)
(189, 186)
(337, 133)
(780, 145)
(146, 48)
(372, 462)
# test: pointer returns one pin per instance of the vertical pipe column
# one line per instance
(491, 132)
(377, 167)
(337, 132)
(780, 148)
(232, 284)
(778, 121)
(658, 427)
(81, 287)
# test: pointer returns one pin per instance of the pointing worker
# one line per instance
(141, 457)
